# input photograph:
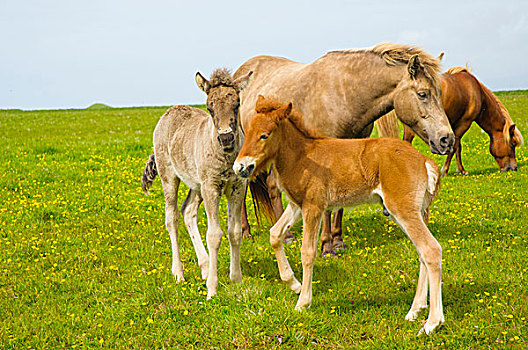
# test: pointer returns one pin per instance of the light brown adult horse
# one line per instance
(318, 173)
(342, 93)
(467, 100)
(199, 149)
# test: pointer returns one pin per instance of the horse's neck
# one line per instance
(291, 154)
(370, 84)
(491, 118)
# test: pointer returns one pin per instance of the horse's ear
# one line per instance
(441, 56)
(413, 66)
(243, 82)
(202, 83)
(285, 111)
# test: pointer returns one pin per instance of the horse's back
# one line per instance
(461, 97)
(178, 137)
(272, 77)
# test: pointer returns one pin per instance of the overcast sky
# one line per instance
(71, 54)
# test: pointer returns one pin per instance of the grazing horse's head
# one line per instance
(417, 100)
(260, 146)
(223, 101)
(502, 146)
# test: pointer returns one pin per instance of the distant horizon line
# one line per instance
(102, 106)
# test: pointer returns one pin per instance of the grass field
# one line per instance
(85, 257)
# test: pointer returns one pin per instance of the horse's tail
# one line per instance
(149, 174)
(261, 198)
(433, 187)
(387, 125)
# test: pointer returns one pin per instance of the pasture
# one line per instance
(85, 256)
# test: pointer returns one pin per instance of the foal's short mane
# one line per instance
(268, 105)
(399, 54)
(221, 76)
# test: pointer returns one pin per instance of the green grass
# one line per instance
(85, 257)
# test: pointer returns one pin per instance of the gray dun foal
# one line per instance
(200, 149)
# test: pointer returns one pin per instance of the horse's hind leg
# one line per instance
(235, 198)
(337, 231)
(327, 249)
(291, 215)
(460, 167)
(430, 254)
(170, 189)
(189, 212)
(420, 298)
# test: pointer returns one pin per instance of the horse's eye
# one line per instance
(422, 94)
(264, 137)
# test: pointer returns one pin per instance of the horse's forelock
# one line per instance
(221, 76)
(401, 54)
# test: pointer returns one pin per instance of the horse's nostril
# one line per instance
(250, 168)
(226, 138)
(444, 141)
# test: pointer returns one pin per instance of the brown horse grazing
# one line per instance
(199, 149)
(342, 93)
(467, 100)
(318, 173)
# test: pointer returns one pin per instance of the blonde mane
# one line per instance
(458, 69)
(270, 104)
(517, 136)
(400, 54)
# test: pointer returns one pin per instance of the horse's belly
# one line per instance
(188, 177)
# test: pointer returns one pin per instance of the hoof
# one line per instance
(429, 329)
(237, 279)
(205, 271)
(412, 315)
(179, 279)
(338, 244)
(211, 295)
(295, 286)
(327, 250)
(289, 237)
(246, 234)
(301, 307)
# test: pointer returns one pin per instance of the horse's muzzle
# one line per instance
(244, 169)
(444, 145)
(227, 141)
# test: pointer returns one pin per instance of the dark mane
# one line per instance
(268, 105)
(221, 76)
(399, 54)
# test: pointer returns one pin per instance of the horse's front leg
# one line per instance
(211, 195)
(235, 199)
(291, 215)
(246, 229)
(311, 224)
(276, 202)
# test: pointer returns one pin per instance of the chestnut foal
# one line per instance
(318, 173)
